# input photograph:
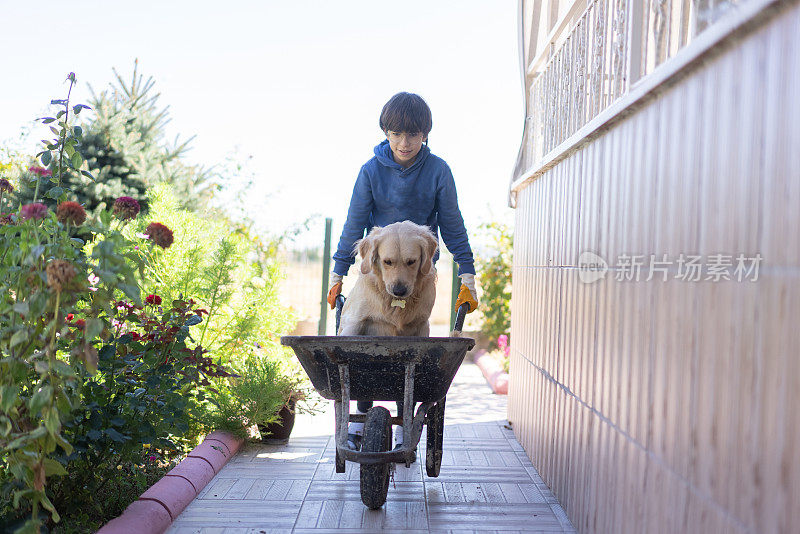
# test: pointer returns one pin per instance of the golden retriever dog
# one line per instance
(395, 291)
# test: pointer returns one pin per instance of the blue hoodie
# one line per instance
(424, 193)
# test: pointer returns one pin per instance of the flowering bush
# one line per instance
(83, 378)
(149, 393)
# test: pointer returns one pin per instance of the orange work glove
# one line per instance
(465, 295)
(335, 291)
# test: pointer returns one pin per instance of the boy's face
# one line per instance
(405, 146)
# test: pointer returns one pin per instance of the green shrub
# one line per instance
(229, 272)
(494, 271)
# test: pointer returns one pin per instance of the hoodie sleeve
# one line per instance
(357, 222)
(451, 224)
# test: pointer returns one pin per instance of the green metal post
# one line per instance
(326, 268)
(456, 287)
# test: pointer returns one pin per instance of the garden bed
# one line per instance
(158, 507)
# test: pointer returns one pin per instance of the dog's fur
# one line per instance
(396, 264)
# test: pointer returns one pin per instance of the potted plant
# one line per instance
(298, 396)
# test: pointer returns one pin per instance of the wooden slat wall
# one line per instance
(670, 406)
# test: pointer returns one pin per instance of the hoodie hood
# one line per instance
(383, 152)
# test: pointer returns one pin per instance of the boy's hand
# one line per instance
(467, 293)
(335, 290)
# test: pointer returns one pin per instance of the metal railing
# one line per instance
(594, 57)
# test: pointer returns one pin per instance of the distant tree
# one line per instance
(124, 148)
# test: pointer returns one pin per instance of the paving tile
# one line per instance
(491, 516)
(486, 484)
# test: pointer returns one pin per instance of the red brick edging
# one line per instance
(493, 372)
(158, 507)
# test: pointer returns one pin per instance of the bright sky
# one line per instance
(295, 88)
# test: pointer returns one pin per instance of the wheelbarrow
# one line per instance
(409, 369)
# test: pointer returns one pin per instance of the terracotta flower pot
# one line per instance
(279, 431)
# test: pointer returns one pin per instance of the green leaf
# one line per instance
(46, 158)
(18, 337)
(49, 506)
(22, 307)
(40, 398)
(107, 353)
(78, 131)
(93, 327)
(77, 159)
(53, 467)
(48, 120)
(116, 436)
(8, 394)
(88, 175)
(51, 421)
(31, 526)
(131, 291)
(193, 320)
(94, 435)
(66, 445)
(55, 192)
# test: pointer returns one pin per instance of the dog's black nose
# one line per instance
(399, 290)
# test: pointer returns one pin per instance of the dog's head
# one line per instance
(399, 254)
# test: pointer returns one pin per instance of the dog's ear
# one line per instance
(429, 246)
(368, 251)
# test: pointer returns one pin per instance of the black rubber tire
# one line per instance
(433, 449)
(375, 477)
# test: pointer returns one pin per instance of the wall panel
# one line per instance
(670, 405)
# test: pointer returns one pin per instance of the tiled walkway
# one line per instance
(486, 484)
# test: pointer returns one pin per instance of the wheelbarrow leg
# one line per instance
(337, 406)
(408, 404)
(342, 411)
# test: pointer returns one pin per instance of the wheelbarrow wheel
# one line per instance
(375, 477)
(433, 450)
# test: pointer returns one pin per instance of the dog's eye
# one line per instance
(411, 262)
(388, 262)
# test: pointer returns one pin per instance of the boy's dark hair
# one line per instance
(406, 112)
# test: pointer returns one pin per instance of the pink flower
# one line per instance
(502, 343)
(126, 208)
(160, 234)
(34, 210)
(41, 171)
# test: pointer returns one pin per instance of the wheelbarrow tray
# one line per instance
(377, 364)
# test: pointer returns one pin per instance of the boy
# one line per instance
(405, 181)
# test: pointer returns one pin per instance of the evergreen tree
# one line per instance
(124, 149)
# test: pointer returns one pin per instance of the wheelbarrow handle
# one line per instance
(339, 305)
(460, 315)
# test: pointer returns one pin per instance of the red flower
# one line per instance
(71, 212)
(80, 323)
(126, 208)
(70, 316)
(34, 210)
(40, 171)
(160, 234)
(153, 299)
